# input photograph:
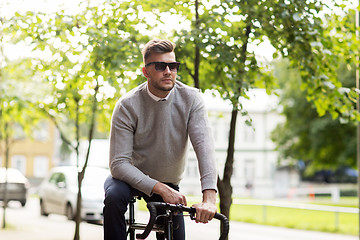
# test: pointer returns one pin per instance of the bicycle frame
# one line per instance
(167, 228)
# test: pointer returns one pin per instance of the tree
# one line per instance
(87, 61)
(318, 139)
(217, 50)
(321, 142)
(9, 107)
(297, 32)
(17, 120)
(16, 117)
(226, 32)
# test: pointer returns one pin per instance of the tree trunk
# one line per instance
(197, 49)
(81, 174)
(78, 199)
(7, 150)
(78, 206)
(224, 184)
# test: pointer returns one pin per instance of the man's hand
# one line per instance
(169, 195)
(206, 210)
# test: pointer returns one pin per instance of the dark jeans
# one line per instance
(117, 198)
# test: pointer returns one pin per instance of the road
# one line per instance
(27, 224)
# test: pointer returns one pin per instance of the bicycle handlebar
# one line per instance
(175, 208)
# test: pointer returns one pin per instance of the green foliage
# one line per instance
(226, 33)
(92, 52)
(90, 58)
(322, 142)
(17, 118)
(101, 45)
(99, 48)
(87, 59)
(328, 141)
(218, 49)
(18, 127)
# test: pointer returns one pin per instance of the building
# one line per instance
(33, 156)
(255, 160)
(256, 172)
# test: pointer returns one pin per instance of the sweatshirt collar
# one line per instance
(156, 98)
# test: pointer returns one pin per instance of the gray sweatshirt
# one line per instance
(149, 139)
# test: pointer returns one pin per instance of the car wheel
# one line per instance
(23, 202)
(42, 209)
(69, 212)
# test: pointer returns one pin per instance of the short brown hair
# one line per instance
(157, 46)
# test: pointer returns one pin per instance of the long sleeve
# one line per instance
(149, 139)
(203, 143)
(121, 150)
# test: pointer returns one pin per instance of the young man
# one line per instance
(148, 143)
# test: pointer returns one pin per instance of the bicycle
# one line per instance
(167, 227)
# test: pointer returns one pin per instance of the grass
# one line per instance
(344, 223)
(8, 226)
(344, 201)
(296, 218)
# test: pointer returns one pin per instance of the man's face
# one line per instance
(160, 82)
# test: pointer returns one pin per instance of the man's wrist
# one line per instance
(161, 188)
(209, 196)
(157, 189)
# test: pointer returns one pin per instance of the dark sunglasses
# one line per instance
(161, 66)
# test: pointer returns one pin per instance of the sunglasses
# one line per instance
(161, 66)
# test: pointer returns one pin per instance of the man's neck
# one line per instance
(157, 98)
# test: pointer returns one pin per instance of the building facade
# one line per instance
(256, 172)
(33, 156)
(255, 160)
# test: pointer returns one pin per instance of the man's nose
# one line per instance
(167, 70)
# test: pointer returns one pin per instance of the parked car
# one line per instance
(339, 175)
(17, 185)
(58, 193)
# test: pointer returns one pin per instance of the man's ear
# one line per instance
(144, 70)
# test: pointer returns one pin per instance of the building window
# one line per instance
(41, 166)
(19, 162)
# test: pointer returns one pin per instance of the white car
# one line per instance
(58, 193)
(17, 185)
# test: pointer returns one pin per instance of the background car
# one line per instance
(17, 185)
(58, 193)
